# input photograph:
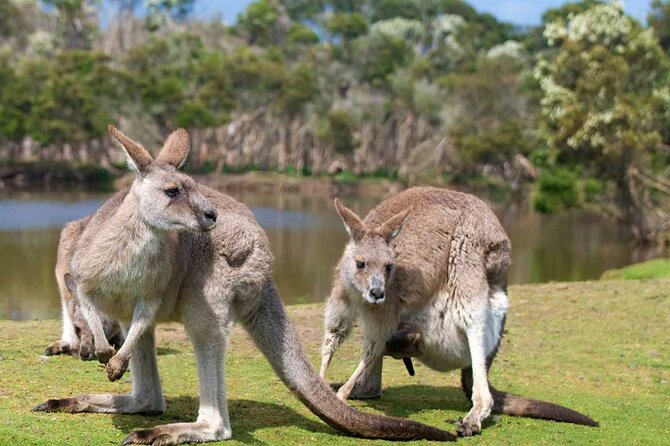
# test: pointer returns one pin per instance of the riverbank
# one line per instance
(41, 176)
(652, 269)
(598, 347)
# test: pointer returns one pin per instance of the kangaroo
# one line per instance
(77, 338)
(426, 273)
(170, 249)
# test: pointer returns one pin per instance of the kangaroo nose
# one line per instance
(211, 215)
(377, 293)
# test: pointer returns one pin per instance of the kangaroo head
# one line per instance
(368, 261)
(168, 199)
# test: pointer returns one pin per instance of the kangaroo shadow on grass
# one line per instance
(404, 401)
(246, 416)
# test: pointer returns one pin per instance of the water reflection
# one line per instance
(307, 239)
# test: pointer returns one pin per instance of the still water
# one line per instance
(307, 239)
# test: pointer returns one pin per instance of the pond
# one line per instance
(307, 239)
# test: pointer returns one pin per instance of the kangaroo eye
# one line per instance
(389, 268)
(172, 192)
(360, 265)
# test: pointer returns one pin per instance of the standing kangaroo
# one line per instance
(426, 272)
(77, 338)
(170, 249)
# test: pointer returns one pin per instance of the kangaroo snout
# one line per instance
(377, 294)
(207, 218)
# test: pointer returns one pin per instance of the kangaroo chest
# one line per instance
(116, 277)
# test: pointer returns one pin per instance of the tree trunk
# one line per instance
(634, 207)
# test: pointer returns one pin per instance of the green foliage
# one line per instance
(659, 20)
(567, 10)
(492, 146)
(379, 55)
(299, 89)
(258, 21)
(179, 82)
(604, 90)
(15, 101)
(389, 9)
(300, 34)
(303, 9)
(73, 97)
(256, 77)
(606, 103)
(347, 26)
(555, 191)
(338, 131)
(8, 18)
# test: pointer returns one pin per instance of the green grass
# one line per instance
(653, 269)
(598, 347)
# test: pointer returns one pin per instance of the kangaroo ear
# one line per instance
(391, 227)
(175, 148)
(352, 222)
(137, 156)
(70, 284)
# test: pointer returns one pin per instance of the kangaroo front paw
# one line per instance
(468, 427)
(57, 348)
(116, 367)
(104, 355)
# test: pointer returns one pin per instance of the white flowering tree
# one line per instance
(605, 102)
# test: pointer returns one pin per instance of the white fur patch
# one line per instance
(129, 162)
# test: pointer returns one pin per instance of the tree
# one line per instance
(605, 99)
(74, 97)
(77, 22)
(659, 19)
(179, 82)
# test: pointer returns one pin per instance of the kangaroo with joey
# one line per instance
(426, 274)
(170, 249)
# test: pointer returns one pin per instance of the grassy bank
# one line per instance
(598, 347)
(653, 269)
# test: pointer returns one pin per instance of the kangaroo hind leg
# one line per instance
(213, 422)
(483, 316)
(146, 396)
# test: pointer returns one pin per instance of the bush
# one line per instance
(337, 131)
(556, 190)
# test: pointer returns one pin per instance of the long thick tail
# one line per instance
(276, 338)
(519, 406)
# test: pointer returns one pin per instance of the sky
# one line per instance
(519, 12)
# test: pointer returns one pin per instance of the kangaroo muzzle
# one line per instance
(376, 294)
(205, 213)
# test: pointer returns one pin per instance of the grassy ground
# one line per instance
(653, 269)
(599, 347)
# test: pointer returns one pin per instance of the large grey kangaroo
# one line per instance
(426, 273)
(77, 338)
(170, 249)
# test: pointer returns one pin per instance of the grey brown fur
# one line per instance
(426, 273)
(77, 338)
(170, 249)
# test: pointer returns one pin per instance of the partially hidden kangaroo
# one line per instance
(426, 273)
(170, 249)
(77, 338)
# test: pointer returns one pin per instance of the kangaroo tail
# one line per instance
(275, 337)
(518, 406)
